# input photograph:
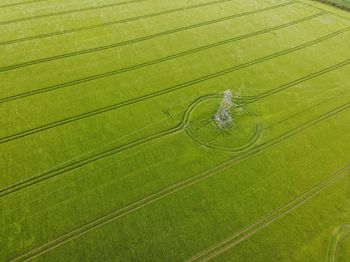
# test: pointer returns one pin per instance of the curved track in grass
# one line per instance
(122, 212)
(188, 84)
(251, 230)
(63, 169)
(338, 234)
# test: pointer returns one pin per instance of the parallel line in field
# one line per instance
(322, 9)
(268, 219)
(90, 159)
(295, 82)
(152, 62)
(302, 79)
(339, 233)
(83, 162)
(136, 40)
(69, 12)
(119, 213)
(169, 90)
(21, 3)
(122, 21)
(298, 113)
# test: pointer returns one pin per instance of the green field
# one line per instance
(338, 3)
(109, 152)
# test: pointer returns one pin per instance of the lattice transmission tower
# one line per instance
(223, 116)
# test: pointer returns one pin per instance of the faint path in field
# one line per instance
(97, 223)
(342, 4)
(319, 8)
(188, 84)
(68, 167)
(257, 130)
(130, 19)
(69, 12)
(165, 196)
(124, 43)
(158, 60)
(89, 159)
(21, 3)
(251, 230)
(339, 233)
(295, 82)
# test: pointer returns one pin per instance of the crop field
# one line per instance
(339, 3)
(108, 146)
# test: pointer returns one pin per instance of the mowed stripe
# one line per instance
(99, 222)
(140, 39)
(170, 89)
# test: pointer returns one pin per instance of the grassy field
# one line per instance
(338, 3)
(108, 150)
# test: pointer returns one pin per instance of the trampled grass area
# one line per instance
(109, 151)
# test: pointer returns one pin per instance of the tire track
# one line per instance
(90, 173)
(302, 79)
(108, 218)
(295, 82)
(344, 5)
(130, 19)
(254, 136)
(172, 89)
(90, 159)
(152, 62)
(301, 112)
(319, 8)
(232, 241)
(23, 19)
(338, 234)
(21, 3)
(136, 40)
(80, 163)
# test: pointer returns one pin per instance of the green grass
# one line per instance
(108, 148)
(338, 3)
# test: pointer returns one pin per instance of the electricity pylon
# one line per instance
(223, 116)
